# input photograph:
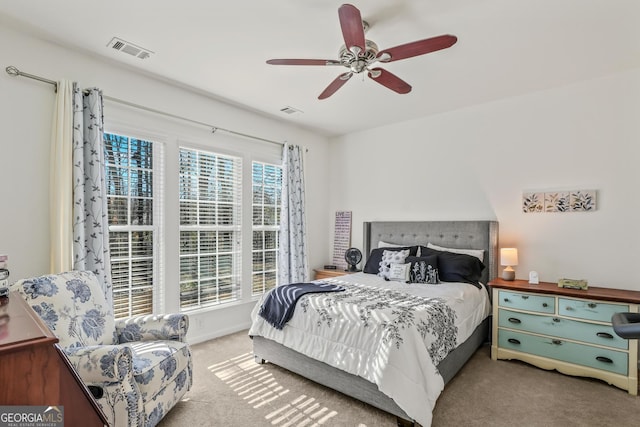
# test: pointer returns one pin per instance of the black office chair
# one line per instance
(626, 325)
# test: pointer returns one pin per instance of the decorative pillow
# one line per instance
(391, 257)
(372, 266)
(478, 253)
(423, 269)
(454, 267)
(399, 272)
(382, 244)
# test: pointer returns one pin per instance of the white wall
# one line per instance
(475, 163)
(25, 117)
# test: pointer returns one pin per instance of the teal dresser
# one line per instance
(565, 329)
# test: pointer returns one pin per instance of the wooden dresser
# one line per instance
(565, 329)
(35, 371)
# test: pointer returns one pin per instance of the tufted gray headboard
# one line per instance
(450, 234)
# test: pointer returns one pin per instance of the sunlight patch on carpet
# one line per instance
(256, 385)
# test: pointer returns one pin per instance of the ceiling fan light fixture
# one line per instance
(384, 57)
(358, 62)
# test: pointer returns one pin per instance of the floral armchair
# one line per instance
(137, 368)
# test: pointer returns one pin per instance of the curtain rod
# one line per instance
(13, 71)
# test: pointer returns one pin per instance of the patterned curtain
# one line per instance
(90, 221)
(292, 261)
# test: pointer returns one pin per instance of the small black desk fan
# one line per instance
(353, 256)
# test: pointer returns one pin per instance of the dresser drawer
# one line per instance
(581, 354)
(562, 328)
(590, 310)
(538, 303)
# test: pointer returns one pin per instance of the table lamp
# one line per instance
(508, 259)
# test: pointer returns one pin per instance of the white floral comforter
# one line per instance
(391, 333)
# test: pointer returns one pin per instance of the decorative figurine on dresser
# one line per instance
(565, 329)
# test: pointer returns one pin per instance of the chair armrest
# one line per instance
(101, 363)
(153, 327)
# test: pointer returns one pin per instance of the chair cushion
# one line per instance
(158, 363)
(73, 306)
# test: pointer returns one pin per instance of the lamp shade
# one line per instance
(508, 256)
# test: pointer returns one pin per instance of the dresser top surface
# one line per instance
(20, 325)
(594, 292)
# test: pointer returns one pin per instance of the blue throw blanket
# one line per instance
(280, 303)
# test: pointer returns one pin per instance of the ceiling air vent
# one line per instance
(130, 48)
(290, 110)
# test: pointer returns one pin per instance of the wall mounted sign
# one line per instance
(341, 238)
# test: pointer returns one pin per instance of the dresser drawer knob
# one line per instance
(513, 341)
(604, 359)
(592, 305)
(569, 308)
(525, 296)
(544, 304)
(514, 320)
(506, 300)
(605, 335)
(555, 319)
(557, 342)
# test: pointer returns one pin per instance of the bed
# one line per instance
(297, 348)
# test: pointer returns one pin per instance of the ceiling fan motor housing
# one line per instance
(358, 63)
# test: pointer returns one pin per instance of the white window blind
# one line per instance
(210, 190)
(133, 231)
(267, 191)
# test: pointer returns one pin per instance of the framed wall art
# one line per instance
(559, 201)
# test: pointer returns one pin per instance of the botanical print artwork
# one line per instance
(532, 202)
(583, 201)
(556, 202)
(559, 201)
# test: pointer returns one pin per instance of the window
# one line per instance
(267, 190)
(210, 228)
(132, 229)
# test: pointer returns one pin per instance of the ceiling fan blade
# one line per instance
(389, 80)
(416, 48)
(303, 62)
(352, 29)
(335, 85)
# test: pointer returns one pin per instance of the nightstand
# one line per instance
(568, 330)
(323, 273)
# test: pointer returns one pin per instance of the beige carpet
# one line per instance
(230, 390)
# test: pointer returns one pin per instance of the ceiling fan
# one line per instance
(358, 54)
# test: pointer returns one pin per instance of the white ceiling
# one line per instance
(505, 48)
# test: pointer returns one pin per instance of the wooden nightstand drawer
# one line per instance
(589, 310)
(539, 303)
(566, 351)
